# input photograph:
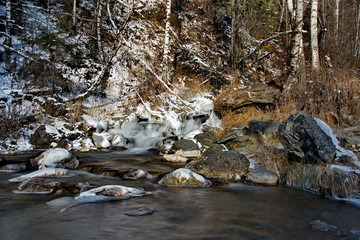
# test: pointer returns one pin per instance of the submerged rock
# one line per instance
(13, 168)
(262, 176)
(311, 140)
(140, 212)
(55, 158)
(184, 177)
(320, 226)
(226, 166)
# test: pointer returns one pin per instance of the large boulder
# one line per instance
(257, 95)
(309, 139)
(101, 140)
(262, 176)
(225, 166)
(44, 136)
(184, 177)
(186, 148)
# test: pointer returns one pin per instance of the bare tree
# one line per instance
(315, 62)
(166, 41)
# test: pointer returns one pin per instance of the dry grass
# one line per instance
(323, 180)
(232, 119)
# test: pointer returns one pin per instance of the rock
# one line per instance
(320, 226)
(108, 135)
(13, 168)
(188, 94)
(309, 139)
(119, 141)
(355, 232)
(38, 186)
(42, 173)
(234, 135)
(54, 108)
(262, 176)
(207, 138)
(226, 166)
(175, 158)
(44, 136)
(116, 191)
(91, 124)
(267, 128)
(214, 149)
(100, 140)
(140, 212)
(137, 174)
(184, 177)
(260, 95)
(186, 148)
(55, 158)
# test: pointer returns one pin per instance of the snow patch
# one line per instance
(52, 157)
(46, 172)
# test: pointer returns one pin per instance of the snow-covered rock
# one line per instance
(137, 174)
(45, 172)
(119, 141)
(175, 158)
(116, 191)
(55, 158)
(37, 186)
(12, 167)
(184, 177)
(100, 140)
(44, 136)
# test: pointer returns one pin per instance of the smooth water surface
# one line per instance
(232, 211)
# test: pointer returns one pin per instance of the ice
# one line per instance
(117, 191)
(46, 172)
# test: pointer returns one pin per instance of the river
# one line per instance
(230, 211)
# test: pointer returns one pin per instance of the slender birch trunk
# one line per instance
(337, 15)
(166, 41)
(8, 23)
(357, 39)
(74, 13)
(315, 62)
(234, 29)
(98, 30)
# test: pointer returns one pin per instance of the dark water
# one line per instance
(233, 211)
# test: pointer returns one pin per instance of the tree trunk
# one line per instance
(74, 14)
(8, 41)
(98, 30)
(357, 40)
(337, 11)
(166, 41)
(315, 62)
(234, 30)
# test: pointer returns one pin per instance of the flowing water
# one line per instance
(232, 211)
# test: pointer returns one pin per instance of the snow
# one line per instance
(52, 157)
(183, 173)
(45, 172)
(53, 132)
(345, 168)
(340, 151)
(118, 190)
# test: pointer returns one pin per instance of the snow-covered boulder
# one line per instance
(184, 177)
(137, 174)
(309, 139)
(44, 136)
(119, 141)
(37, 186)
(55, 158)
(100, 140)
(115, 191)
(42, 173)
(262, 176)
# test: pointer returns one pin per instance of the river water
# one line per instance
(231, 211)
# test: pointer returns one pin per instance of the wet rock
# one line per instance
(13, 168)
(309, 139)
(355, 233)
(54, 109)
(100, 140)
(214, 149)
(267, 128)
(320, 226)
(175, 158)
(137, 174)
(55, 158)
(140, 212)
(38, 186)
(207, 138)
(42, 138)
(262, 176)
(260, 95)
(184, 177)
(116, 191)
(186, 148)
(226, 166)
